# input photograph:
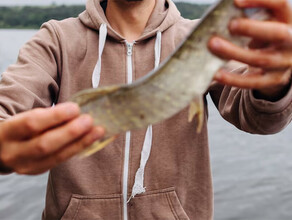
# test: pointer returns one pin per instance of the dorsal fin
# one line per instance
(87, 95)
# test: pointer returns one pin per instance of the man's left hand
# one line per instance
(269, 54)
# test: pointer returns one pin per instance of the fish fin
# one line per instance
(97, 146)
(197, 110)
(87, 95)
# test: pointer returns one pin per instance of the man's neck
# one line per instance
(129, 18)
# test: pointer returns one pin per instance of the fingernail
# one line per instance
(240, 3)
(98, 133)
(215, 43)
(218, 75)
(71, 109)
(86, 121)
(101, 130)
(233, 25)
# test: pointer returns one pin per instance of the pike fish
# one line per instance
(180, 81)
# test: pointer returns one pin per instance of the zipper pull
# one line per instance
(129, 49)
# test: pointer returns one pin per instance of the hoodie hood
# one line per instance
(164, 15)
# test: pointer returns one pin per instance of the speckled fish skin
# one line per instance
(184, 77)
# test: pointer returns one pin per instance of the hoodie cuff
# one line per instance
(4, 170)
(269, 107)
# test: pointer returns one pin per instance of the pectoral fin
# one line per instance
(96, 146)
(197, 110)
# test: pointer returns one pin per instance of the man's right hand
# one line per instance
(35, 141)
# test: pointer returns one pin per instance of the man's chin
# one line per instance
(127, 1)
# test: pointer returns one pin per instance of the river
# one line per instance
(251, 173)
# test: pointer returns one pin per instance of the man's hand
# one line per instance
(36, 141)
(269, 53)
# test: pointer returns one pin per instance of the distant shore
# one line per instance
(32, 17)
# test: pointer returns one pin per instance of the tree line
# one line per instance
(32, 17)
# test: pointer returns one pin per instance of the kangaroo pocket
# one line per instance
(157, 205)
(94, 207)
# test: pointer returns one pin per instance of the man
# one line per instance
(117, 42)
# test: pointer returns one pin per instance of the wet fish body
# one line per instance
(179, 81)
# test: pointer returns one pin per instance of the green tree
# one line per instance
(34, 17)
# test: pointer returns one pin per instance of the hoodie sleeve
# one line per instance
(256, 116)
(33, 80)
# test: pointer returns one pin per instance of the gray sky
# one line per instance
(48, 2)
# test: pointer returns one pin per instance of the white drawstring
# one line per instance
(138, 186)
(97, 68)
(157, 49)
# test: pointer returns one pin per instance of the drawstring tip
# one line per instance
(137, 191)
(130, 199)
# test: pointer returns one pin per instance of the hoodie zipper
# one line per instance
(128, 134)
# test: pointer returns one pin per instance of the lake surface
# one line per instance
(251, 174)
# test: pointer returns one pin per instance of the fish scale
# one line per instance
(182, 79)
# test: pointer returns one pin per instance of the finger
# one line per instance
(258, 44)
(253, 81)
(280, 8)
(267, 31)
(56, 139)
(31, 123)
(257, 58)
(40, 166)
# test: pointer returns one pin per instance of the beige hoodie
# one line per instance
(60, 60)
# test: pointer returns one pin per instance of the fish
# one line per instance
(179, 81)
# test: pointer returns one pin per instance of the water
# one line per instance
(251, 173)
(21, 197)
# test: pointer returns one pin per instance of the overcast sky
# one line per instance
(48, 2)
